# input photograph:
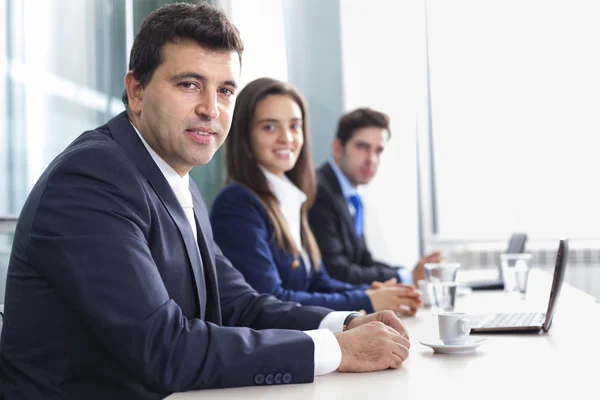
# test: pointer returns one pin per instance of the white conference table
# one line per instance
(556, 365)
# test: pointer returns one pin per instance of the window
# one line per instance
(515, 94)
(62, 64)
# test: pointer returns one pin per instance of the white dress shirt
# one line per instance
(328, 354)
(179, 184)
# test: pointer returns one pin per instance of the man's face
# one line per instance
(185, 111)
(359, 157)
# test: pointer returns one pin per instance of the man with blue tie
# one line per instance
(336, 217)
(116, 289)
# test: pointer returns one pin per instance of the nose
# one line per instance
(286, 136)
(208, 107)
(373, 158)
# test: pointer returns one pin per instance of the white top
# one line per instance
(290, 200)
(328, 354)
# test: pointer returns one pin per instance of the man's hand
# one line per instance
(372, 346)
(419, 270)
(404, 299)
(389, 318)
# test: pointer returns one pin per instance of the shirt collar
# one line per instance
(169, 173)
(285, 191)
(347, 189)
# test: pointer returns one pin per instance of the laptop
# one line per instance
(516, 244)
(528, 322)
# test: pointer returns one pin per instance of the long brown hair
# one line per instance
(243, 168)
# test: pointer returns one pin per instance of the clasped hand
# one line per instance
(390, 295)
(373, 342)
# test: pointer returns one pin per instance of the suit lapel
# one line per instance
(125, 135)
(339, 199)
(205, 241)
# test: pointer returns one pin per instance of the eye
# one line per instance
(188, 85)
(268, 127)
(226, 91)
(297, 126)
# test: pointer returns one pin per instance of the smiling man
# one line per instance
(116, 289)
(336, 217)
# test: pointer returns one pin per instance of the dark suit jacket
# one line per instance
(345, 256)
(245, 235)
(110, 297)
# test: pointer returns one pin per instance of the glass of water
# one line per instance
(515, 271)
(442, 277)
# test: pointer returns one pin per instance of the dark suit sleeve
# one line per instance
(368, 260)
(325, 283)
(325, 224)
(88, 241)
(242, 306)
(240, 229)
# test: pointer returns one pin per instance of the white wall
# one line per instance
(382, 65)
(515, 94)
(260, 23)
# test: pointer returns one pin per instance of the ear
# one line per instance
(135, 93)
(336, 149)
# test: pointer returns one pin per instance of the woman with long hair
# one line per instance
(259, 219)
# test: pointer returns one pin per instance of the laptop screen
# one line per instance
(559, 274)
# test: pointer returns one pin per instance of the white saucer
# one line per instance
(469, 346)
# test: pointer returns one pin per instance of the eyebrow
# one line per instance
(276, 120)
(197, 76)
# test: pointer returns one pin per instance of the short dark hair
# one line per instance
(243, 168)
(361, 118)
(202, 23)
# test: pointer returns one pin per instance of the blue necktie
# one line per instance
(358, 214)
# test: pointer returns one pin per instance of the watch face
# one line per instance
(349, 318)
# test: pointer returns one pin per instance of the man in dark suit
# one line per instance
(115, 287)
(336, 217)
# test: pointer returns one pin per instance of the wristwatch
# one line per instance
(349, 318)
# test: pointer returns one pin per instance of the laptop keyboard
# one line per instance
(511, 320)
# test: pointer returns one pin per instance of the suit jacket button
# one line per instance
(259, 379)
(269, 379)
(278, 378)
(287, 377)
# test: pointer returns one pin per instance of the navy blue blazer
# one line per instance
(345, 255)
(109, 296)
(245, 235)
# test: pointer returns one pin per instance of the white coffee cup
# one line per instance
(454, 327)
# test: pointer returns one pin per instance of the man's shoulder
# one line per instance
(91, 158)
(91, 149)
(97, 145)
(325, 185)
(322, 171)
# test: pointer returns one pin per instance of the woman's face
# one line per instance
(276, 135)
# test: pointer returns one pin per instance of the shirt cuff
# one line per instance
(328, 354)
(405, 275)
(334, 321)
